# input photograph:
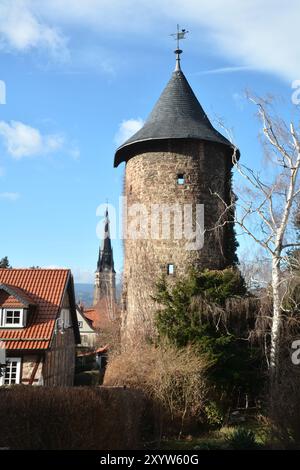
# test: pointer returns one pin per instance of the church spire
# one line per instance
(105, 276)
(105, 258)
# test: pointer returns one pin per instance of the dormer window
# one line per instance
(13, 318)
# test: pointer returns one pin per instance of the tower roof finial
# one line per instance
(106, 211)
(178, 37)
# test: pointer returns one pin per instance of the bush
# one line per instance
(206, 310)
(87, 378)
(284, 407)
(42, 418)
(214, 414)
(242, 439)
(174, 378)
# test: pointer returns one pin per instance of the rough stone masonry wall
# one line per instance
(151, 178)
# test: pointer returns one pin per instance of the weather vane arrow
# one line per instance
(178, 37)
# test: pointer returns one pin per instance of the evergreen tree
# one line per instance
(4, 263)
(193, 312)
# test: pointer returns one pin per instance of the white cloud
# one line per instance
(22, 30)
(9, 196)
(22, 140)
(262, 35)
(83, 276)
(116, 16)
(248, 33)
(234, 69)
(127, 128)
(55, 266)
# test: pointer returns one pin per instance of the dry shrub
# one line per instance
(109, 335)
(174, 378)
(72, 418)
(284, 399)
(284, 412)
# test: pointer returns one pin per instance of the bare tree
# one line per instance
(265, 210)
(255, 268)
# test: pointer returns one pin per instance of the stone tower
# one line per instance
(105, 276)
(176, 159)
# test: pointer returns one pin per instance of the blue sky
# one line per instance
(80, 76)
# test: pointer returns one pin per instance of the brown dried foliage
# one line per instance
(71, 418)
(174, 378)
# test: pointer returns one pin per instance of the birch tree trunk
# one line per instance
(276, 320)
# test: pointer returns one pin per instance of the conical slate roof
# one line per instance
(176, 115)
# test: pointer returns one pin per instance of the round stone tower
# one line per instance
(175, 164)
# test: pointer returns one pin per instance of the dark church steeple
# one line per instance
(105, 277)
(106, 259)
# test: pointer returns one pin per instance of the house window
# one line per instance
(12, 372)
(170, 269)
(65, 319)
(13, 318)
(84, 340)
(180, 179)
(80, 324)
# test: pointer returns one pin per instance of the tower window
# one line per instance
(180, 179)
(170, 269)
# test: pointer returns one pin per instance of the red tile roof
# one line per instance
(104, 349)
(12, 296)
(7, 300)
(102, 314)
(45, 287)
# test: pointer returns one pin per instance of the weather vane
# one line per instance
(178, 37)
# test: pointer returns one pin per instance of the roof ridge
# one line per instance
(36, 269)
